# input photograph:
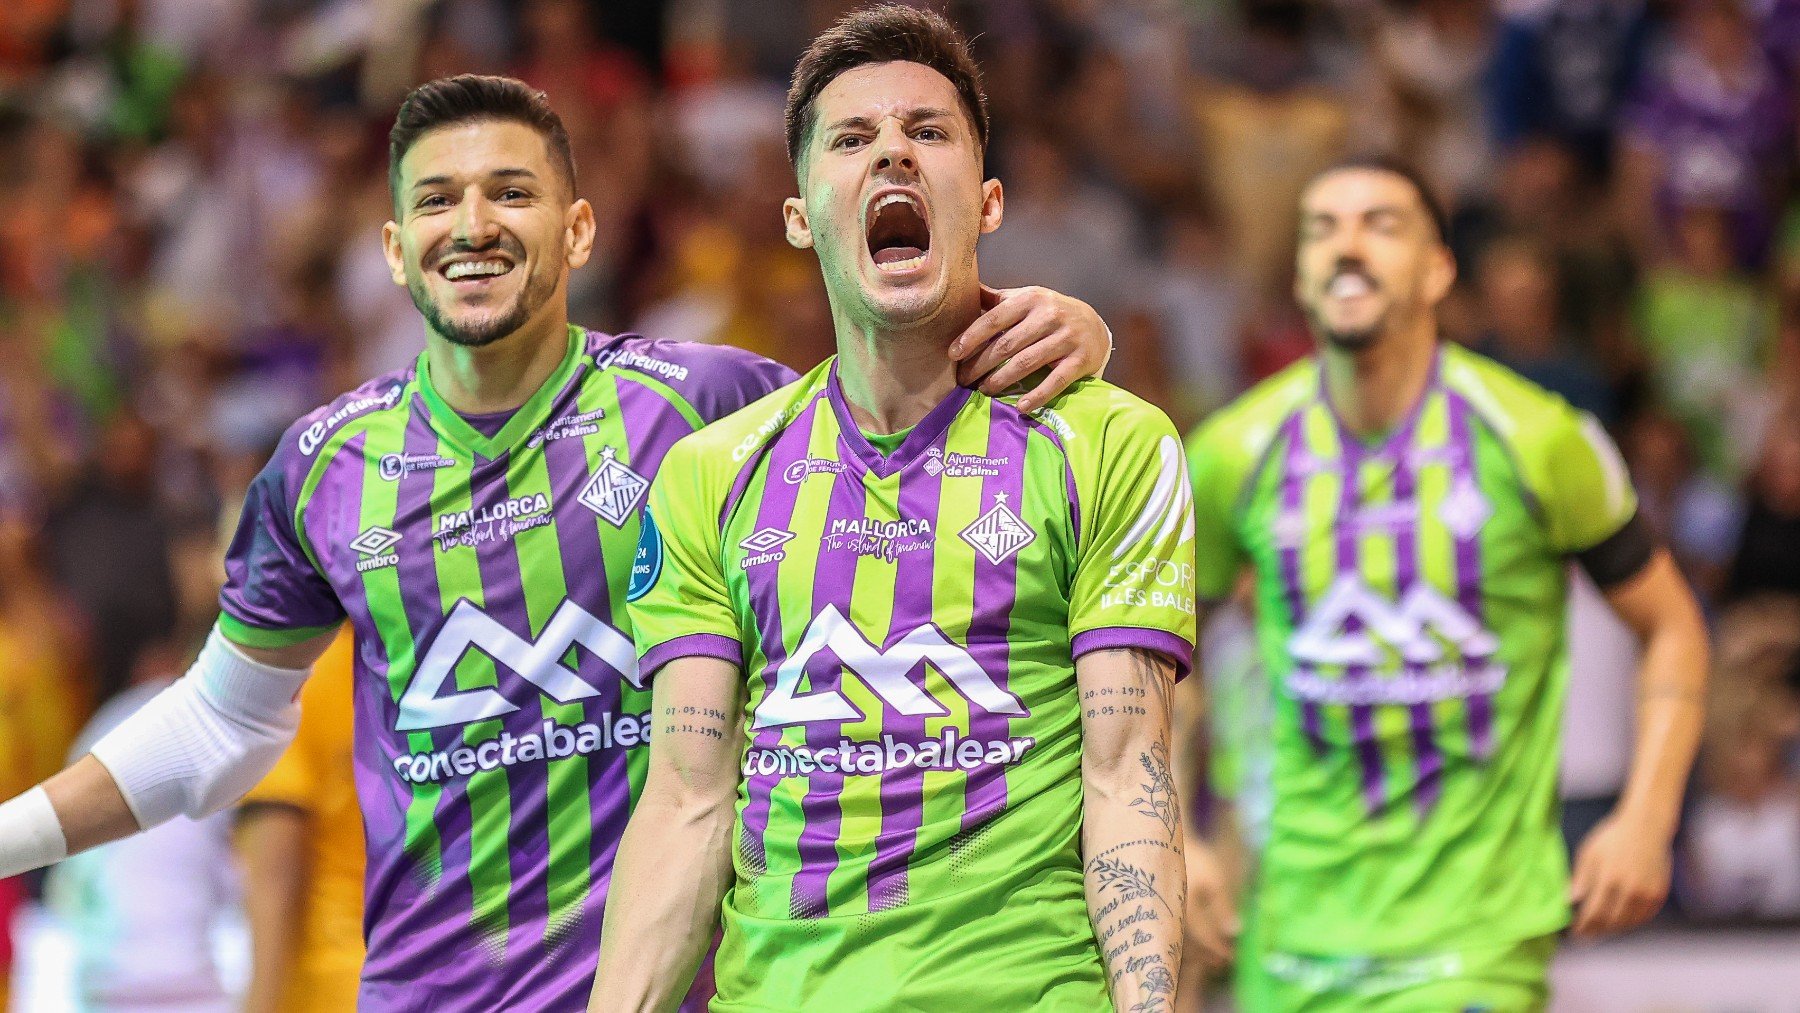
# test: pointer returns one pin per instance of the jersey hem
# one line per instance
(691, 645)
(244, 635)
(1174, 645)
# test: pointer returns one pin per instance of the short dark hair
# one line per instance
(468, 98)
(883, 34)
(1434, 208)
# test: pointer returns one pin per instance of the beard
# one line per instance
(530, 299)
(1354, 339)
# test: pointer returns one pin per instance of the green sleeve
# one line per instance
(1134, 576)
(679, 604)
(1218, 553)
(1585, 491)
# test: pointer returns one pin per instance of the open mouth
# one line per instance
(475, 271)
(898, 233)
(1349, 285)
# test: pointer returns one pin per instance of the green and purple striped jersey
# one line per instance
(1409, 611)
(499, 720)
(909, 817)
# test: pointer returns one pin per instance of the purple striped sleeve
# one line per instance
(692, 645)
(1173, 645)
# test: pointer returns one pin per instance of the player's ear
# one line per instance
(578, 233)
(799, 230)
(1440, 274)
(396, 258)
(993, 205)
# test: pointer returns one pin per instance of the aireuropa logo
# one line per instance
(886, 672)
(425, 705)
(314, 435)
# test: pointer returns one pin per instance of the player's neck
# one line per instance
(1373, 389)
(501, 376)
(893, 377)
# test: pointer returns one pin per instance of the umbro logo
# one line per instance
(374, 544)
(766, 540)
(375, 541)
(764, 546)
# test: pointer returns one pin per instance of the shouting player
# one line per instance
(912, 648)
(1409, 510)
(475, 517)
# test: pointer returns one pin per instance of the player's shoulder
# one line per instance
(1523, 415)
(1094, 411)
(714, 380)
(378, 398)
(734, 439)
(1243, 430)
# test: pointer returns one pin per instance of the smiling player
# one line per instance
(912, 647)
(1410, 510)
(475, 518)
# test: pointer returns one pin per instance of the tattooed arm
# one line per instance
(674, 862)
(1131, 824)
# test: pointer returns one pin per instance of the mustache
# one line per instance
(458, 248)
(1351, 266)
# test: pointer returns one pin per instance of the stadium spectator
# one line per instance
(1518, 286)
(1768, 556)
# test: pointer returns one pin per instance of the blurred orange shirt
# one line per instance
(317, 775)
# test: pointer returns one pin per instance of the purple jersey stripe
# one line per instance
(834, 581)
(528, 831)
(996, 590)
(903, 791)
(1362, 716)
(1427, 756)
(609, 786)
(1468, 566)
(396, 953)
(1293, 483)
(776, 510)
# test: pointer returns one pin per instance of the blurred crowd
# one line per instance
(189, 259)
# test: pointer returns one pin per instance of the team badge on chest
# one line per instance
(615, 490)
(999, 534)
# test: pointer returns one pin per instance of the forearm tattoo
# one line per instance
(1136, 917)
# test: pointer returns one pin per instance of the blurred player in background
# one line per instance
(1409, 510)
(143, 912)
(41, 698)
(300, 838)
(913, 666)
(475, 518)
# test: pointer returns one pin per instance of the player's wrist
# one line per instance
(1648, 819)
(31, 834)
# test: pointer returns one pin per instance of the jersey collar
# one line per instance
(923, 435)
(526, 420)
(1401, 433)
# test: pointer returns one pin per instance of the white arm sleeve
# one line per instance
(203, 743)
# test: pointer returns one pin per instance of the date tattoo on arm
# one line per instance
(706, 722)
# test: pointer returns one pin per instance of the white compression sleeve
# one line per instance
(31, 836)
(203, 743)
